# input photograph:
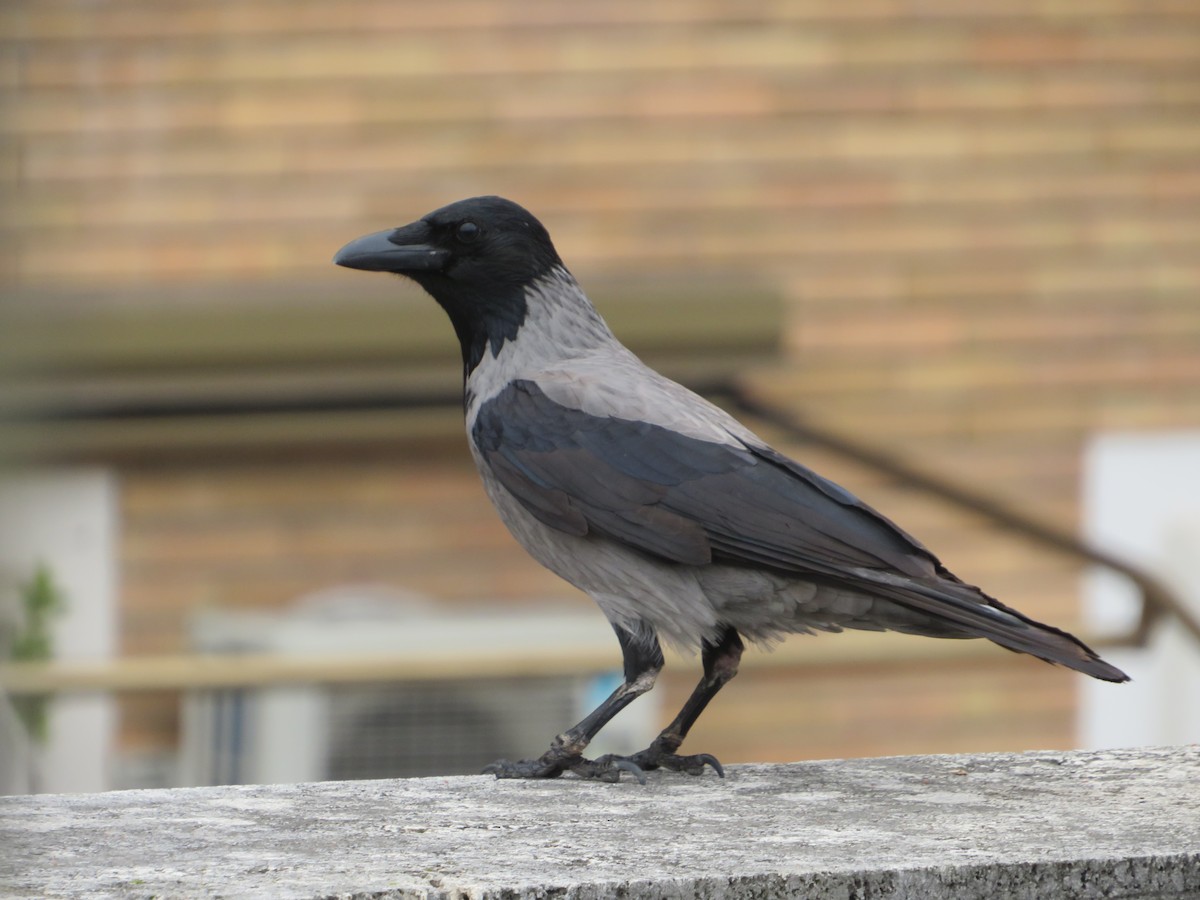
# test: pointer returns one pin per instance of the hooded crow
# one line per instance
(680, 522)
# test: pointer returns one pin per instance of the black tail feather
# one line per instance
(967, 608)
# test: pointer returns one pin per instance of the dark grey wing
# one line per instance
(695, 502)
(681, 498)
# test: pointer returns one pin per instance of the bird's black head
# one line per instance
(475, 257)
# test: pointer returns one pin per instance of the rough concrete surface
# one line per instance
(1038, 825)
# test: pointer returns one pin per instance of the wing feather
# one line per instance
(679, 497)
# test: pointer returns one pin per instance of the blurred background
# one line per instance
(958, 236)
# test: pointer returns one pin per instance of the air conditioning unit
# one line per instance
(315, 732)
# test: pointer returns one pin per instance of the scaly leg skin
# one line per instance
(566, 753)
(720, 665)
(643, 661)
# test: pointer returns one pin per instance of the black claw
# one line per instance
(712, 761)
(692, 765)
(632, 768)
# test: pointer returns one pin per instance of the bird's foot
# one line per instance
(555, 761)
(558, 759)
(656, 756)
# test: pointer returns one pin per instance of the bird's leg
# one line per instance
(720, 665)
(643, 660)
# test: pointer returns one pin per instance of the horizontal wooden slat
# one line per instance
(954, 191)
(970, 420)
(980, 368)
(261, 325)
(769, 44)
(849, 142)
(247, 670)
(674, 246)
(287, 367)
(529, 99)
(1048, 286)
(132, 20)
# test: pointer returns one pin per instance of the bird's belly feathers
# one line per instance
(629, 587)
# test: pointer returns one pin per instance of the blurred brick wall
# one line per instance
(984, 216)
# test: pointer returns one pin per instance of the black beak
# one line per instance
(401, 250)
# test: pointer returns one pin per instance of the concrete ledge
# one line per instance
(1037, 825)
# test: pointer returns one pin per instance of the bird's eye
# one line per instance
(467, 232)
